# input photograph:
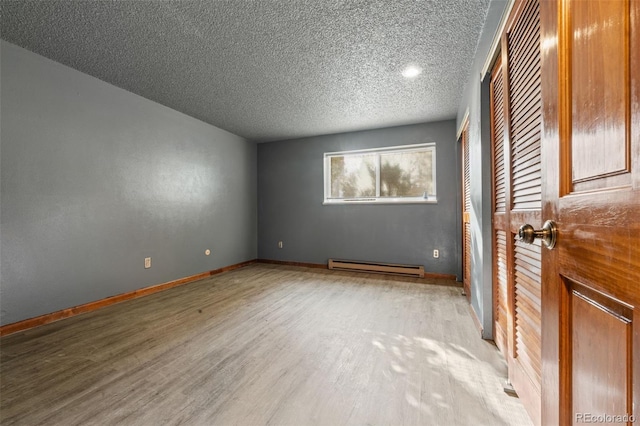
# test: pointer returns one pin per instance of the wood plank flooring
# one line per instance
(263, 345)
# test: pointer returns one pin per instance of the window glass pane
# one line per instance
(353, 176)
(401, 174)
(406, 174)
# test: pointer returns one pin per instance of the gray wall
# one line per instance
(94, 179)
(476, 101)
(290, 195)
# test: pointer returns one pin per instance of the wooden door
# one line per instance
(591, 162)
(466, 212)
(517, 198)
(502, 303)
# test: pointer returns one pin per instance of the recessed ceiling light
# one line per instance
(411, 71)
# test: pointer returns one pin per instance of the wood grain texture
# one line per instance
(600, 336)
(596, 208)
(551, 69)
(600, 95)
(265, 344)
(92, 306)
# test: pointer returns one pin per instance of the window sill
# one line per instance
(379, 201)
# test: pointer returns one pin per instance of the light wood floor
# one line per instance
(263, 345)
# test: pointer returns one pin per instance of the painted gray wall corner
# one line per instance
(94, 179)
(290, 209)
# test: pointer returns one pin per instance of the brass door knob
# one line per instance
(548, 234)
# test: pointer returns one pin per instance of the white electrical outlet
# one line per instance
(147, 262)
(436, 253)
(207, 252)
(280, 244)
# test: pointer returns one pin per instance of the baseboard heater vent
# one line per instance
(377, 267)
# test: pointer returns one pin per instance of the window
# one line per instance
(401, 174)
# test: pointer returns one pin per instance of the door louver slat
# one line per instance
(525, 105)
(467, 209)
(501, 290)
(527, 300)
(498, 144)
(516, 119)
(525, 113)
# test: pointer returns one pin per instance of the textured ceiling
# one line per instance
(266, 70)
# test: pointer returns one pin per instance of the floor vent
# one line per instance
(377, 267)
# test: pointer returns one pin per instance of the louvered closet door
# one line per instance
(466, 214)
(521, 72)
(501, 294)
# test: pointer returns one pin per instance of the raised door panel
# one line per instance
(600, 335)
(600, 101)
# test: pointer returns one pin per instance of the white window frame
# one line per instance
(431, 199)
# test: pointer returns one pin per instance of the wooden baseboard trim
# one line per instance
(437, 276)
(302, 264)
(429, 275)
(92, 306)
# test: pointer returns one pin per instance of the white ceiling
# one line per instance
(266, 69)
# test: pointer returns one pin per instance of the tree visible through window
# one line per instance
(397, 174)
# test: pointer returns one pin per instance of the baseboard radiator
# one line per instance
(377, 267)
